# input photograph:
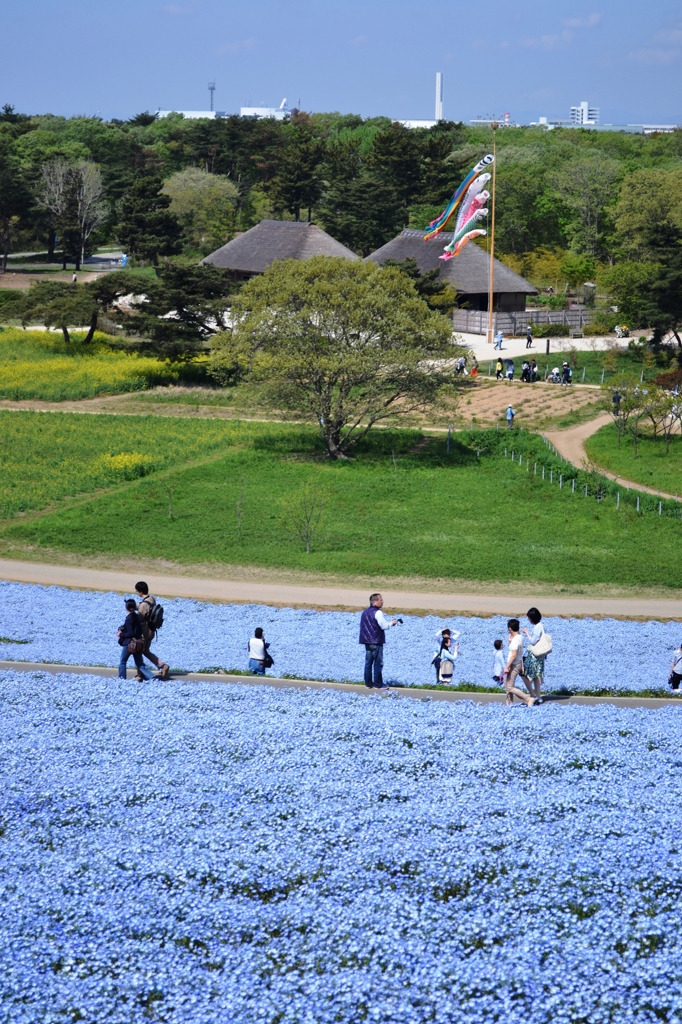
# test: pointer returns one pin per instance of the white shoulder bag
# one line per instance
(543, 646)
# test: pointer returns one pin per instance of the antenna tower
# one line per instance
(211, 89)
(439, 96)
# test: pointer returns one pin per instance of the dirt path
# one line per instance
(571, 444)
(315, 596)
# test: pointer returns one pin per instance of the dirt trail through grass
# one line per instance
(571, 444)
(482, 404)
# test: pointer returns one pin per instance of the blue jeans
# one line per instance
(257, 667)
(139, 664)
(374, 659)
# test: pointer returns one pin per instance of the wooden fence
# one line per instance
(473, 321)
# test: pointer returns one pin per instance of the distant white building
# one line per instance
(584, 114)
(279, 113)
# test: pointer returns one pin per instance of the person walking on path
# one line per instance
(499, 368)
(473, 372)
(676, 669)
(259, 659)
(510, 414)
(514, 667)
(534, 664)
(533, 371)
(373, 626)
(145, 609)
(131, 641)
(510, 369)
(529, 337)
(499, 337)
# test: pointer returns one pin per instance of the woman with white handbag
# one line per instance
(540, 645)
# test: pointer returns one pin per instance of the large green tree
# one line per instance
(147, 229)
(342, 342)
(205, 206)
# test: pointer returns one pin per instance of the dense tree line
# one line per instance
(173, 188)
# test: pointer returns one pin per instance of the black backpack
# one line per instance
(155, 618)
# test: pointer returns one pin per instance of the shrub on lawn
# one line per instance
(550, 330)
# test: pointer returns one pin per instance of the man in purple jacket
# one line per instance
(372, 634)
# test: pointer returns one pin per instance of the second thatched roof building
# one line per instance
(467, 273)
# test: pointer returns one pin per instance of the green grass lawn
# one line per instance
(427, 514)
(652, 466)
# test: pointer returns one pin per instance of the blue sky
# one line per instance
(362, 56)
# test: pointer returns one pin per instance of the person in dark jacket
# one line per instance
(373, 625)
(131, 630)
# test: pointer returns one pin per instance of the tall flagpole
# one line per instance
(491, 274)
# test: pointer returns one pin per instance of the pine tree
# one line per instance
(147, 229)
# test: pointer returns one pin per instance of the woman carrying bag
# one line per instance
(540, 645)
(445, 658)
(131, 641)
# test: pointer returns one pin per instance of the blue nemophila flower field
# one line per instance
(217, 854)
(71, 626)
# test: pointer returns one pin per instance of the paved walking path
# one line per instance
(293, 595)
(304, 684)
(571, 444)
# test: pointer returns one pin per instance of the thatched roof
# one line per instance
(272, 240)
(467, 273)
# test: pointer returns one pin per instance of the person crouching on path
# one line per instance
(130, 633)
(373, 625)
(514, 666)
(257, 651)
(144, 608)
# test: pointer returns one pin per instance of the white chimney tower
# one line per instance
(439, 96)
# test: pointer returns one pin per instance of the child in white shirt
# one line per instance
(499, 663)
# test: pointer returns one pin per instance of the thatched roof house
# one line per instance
(466, 273)
(271, 240)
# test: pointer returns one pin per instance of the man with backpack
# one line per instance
(151, 613)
